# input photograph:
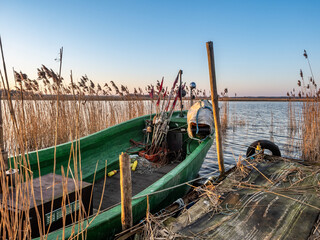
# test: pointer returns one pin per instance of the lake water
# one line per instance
(247, 122)
(251, 121)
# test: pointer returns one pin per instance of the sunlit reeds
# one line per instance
(311, 129)
(48, 112)
(310, 115)
(81, 113)
(81, 106)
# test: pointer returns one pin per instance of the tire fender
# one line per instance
(265, 144)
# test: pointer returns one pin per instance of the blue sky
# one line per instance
(258, 44)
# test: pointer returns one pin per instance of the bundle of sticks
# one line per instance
(163, 115)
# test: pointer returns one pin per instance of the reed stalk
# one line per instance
(310, 116)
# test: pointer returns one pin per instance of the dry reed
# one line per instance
(84, 113)
(35, 124)
(310, 115)
(225, 115)
(31, 124)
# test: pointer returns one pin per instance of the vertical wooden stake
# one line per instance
(214, 99)
(126, 191)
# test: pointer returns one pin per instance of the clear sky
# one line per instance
(258, 44)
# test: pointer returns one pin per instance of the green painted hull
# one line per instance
(108, 145)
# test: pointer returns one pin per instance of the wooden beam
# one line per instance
(215, 106)
(126, 191)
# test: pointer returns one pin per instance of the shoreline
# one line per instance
(132, 97)
(16, 95)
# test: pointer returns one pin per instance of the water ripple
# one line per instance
(251, 121)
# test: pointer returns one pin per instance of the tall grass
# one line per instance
(311, 129)
(225, 111)
(30, 124)
(38, 117)
(83, 114)
(311, 114)
(24, 127)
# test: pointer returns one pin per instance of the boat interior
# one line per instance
(147, 172)
(140, 180)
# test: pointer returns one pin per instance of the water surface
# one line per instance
(251, 121)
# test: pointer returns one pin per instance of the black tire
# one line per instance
(265, 144)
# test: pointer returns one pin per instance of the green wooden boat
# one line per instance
(107, 145)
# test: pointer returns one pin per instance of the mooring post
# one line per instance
(126, 191)
(214, 99)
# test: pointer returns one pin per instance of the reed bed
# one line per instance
(40, 119)
(307, 88)
(23, 125)
(311, 130)
(84, 114)
(93, 116)
(40, 123)
(31, 122)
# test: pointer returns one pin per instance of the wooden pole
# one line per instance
(126, 191)
(214, 99)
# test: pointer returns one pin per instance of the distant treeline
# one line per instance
(263, 99)
(16, 95)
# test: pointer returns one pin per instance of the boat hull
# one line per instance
(108, 222)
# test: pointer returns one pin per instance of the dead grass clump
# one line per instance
(165, 225)
(154, 228)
